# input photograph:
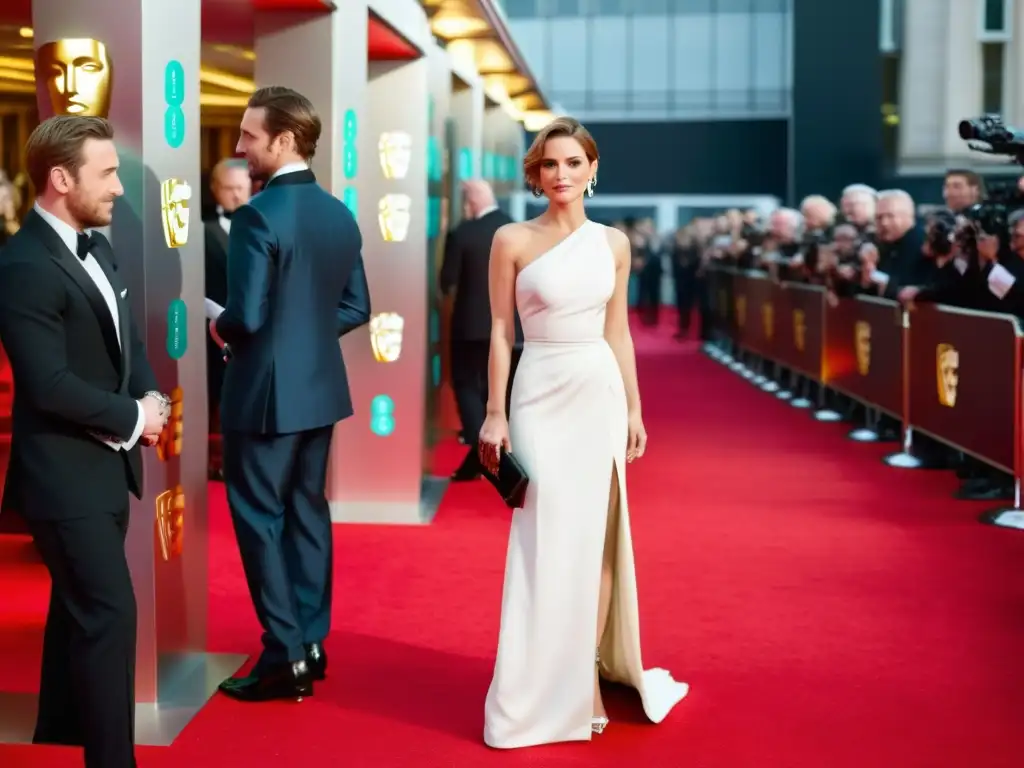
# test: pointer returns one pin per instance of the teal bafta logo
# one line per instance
(177, 329)
(350, 160)
(382, 416)
(174, 97)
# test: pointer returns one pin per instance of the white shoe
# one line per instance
(598, 724)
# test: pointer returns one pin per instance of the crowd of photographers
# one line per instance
(969, 253)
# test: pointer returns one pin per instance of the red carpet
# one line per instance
(828, 611)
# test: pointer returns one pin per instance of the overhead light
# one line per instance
(22, 65)
(535, 121)
(223, 100)
(457, 19)
(463, 54)
(226, 80)
(16, 74)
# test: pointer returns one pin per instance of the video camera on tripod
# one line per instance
(990, 135)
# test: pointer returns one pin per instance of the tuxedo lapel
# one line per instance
(72, 266)
(101, 252)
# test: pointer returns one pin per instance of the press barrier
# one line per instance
(953, 374)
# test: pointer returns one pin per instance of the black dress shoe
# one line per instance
(316, 660)
(291, 680)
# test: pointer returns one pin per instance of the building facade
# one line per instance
(944, 61)
(714, 100)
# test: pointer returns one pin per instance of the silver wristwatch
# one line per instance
(160, 397)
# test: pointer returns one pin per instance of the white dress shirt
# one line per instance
(288, 168)
(487, 210)
(224, 221)
(69, 237)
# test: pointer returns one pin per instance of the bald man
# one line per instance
(231, 188)
(464, 275)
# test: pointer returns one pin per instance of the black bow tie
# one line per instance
(226, 214)
(85, 244)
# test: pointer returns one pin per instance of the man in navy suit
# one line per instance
(295, 285)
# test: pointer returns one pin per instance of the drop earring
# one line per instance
(590, 186)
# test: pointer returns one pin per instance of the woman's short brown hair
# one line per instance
(288, 110)
(560, 126)
(57, 143)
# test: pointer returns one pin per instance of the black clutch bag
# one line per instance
(511, 480)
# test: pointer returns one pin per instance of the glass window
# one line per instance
(995, 15)
(565, 8)
(608, 7)
(992, 55)
(519, 9)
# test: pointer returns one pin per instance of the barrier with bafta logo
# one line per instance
(798, 313)
(863, 351)
(965, 381)
(754, 300)
(952, 374)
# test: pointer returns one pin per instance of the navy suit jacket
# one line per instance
(296, 284)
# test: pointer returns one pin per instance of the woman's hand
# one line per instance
(493, 437)
(637, 443)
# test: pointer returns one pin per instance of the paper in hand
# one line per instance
(213, 309)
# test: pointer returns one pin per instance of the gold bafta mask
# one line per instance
(386, 336)
(395, 151)
(768, 319)
(741, 311)
(78, 74)
(170, 440)
(174, 197)
(947, 362)
(170, 522)
(862, 344)
(799, 329)
(393, 216)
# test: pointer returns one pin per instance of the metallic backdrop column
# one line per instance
(442, 418)
(378, 454)
(467, 115)
(323, 56)
(142, 59)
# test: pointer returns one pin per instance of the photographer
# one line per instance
(781, 247)
(1006, 277)
(857, 206)
(898, 259)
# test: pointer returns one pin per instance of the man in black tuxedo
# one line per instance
(465, 272)
(85, 398)
(231, 187)
(296, 284)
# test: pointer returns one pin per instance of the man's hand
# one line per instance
(908, 294)
(216, 336)
(156, 416)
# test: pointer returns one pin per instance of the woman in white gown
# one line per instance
(569, 614)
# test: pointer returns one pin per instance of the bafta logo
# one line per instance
(170, 522)
(947, 362)
(799, 329)
(393, 216)
(768, 320)
(386, 336)
(862, 344)
(78, 75)
(395, 152)
(741, 311)
(174, 197)
(170, 441)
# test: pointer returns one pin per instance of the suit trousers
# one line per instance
(87, 686)
(276, 491)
